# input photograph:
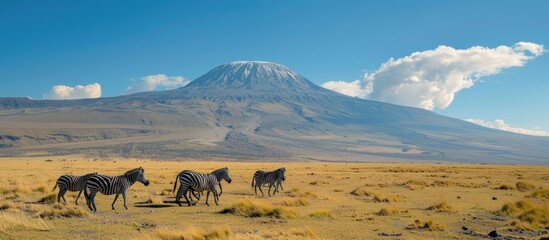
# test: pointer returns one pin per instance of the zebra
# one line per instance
(198, 182)
(219, 173)
(113, 185)
(273, 178)
(71, 183)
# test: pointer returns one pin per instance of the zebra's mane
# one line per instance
(130, 172)
(221, 169)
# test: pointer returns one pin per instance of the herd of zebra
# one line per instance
(191, 183)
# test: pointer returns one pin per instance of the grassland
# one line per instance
(319, 201)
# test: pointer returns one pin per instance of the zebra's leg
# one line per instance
(60, 194)
(63, 196)
(270, 186)
(207, 196)
(220, 189)
(91, 201)
(76, 201)
(178, 196)
(261, 190)
(124, 197)
(275, 188)
(216, 197)
(255, 188)
(115, 198)
(185, 195)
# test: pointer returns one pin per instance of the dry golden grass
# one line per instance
(388, 211)
(19, 220)
(529, 214)
(295, 202)
(441, 207)
(321, 214)
(524, 186)
(427, 225)
(360, 201)
(540, 194)
(253, 209)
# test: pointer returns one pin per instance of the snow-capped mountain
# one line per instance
(254, 110)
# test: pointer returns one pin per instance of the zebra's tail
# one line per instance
(253, 179)
(54, 187)
(175, 183)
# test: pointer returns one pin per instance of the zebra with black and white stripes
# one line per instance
(71, 183)
(113, 185)
(198, 182)
(273, 178)
(219, 175)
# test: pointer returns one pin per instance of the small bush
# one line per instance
(523, 186)
(427, 225)
(321, 214)
(441, 207)
(248, 208)
(304, 233)
(416, 184)
(392, 198)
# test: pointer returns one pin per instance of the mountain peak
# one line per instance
(255, 75)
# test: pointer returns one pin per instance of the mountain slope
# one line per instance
(254, 110)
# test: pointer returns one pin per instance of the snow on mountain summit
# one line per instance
(252, 75)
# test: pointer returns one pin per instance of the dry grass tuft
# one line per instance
(416, 184)
(392, 198)
(154, 200)
(441, 207)
(426, 225)
(41, 189)
(306, 233)
(505, 187)
(321, 214)
(50, 198)
(361, 191)
(388, 211)
(59, 211)
(317, 183)
(540, 194)
(295, 202)
(524, 186)
(11, 220)
(527, 212)
(193, 233)
(248, 208)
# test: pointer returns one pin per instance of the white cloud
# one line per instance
(157, 82)
(65, 92)
(501, 125)
(353, 89)
(431, 78)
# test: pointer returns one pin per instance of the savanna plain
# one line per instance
(319, 200)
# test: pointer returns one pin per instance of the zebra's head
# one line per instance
(281, 172)
(137, 174)
(224, 174)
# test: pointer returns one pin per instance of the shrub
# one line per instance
(526, 212)
(248, 208)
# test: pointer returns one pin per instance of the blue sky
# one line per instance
(116, 44)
